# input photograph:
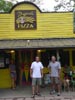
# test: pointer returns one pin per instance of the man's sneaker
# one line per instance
(58, 94)
(33, 96)
(52, 92)
(38, 94)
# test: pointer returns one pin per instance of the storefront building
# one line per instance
(26, 32)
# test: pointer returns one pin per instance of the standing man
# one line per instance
(12, 69)
(36, 73)
(55, 68)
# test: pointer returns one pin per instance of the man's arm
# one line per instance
(41, 69)
(42, 72)
(59, 70)
(49, 67)
(31, 71)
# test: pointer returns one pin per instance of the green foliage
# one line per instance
(64, 4)
(5, 6)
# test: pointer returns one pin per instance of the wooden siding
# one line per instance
(49, 25)
(5, 79)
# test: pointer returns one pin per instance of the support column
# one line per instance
(31, 56)
(20, 70)
(57, 54)
(39, 53)
(13, 54)
(70, 54)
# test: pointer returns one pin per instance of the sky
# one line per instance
(50, 5)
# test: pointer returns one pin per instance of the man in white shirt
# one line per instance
(55, 69)
(36, 73)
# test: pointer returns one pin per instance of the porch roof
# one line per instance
(37, 43)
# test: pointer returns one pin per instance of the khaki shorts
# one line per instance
(55, 80)
(36, 81)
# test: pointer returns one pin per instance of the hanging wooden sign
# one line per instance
(25, 19)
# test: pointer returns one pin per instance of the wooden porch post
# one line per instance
(70, 54)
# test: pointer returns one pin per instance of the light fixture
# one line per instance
(12, 51)
(39, 51)
(28, 42)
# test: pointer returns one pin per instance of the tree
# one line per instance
(65, 5)
(5, 6)
(60, 5)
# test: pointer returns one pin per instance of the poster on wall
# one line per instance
(25, 19)
(7, 61)
(1, 62)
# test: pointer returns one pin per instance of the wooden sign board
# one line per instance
(25, 19)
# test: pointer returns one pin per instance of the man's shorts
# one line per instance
(55, 80)
(36, 81)
(13, 75)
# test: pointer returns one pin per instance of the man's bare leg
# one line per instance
(12, 83)
(38, 90)
(52, 88)
(52, 85)
(59, 89)
(33, 90)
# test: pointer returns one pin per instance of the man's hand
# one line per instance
(31, 71)
(31, 75)
(42, 75)
(59, 77)
(59, 73)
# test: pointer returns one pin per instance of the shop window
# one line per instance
(4, 60)
(73, 58)
(64, 58)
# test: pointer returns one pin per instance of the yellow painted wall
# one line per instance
(5, 79)
(49, 25)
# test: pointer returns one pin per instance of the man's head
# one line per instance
(53, 58)
(37, 59)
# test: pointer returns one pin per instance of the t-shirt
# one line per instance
(54, 68)
(36, 67)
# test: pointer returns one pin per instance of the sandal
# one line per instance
(38, 94)
(33, 96)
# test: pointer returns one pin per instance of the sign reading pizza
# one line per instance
(25, 19)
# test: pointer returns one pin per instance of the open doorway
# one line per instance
(24, 57)
(23, 60)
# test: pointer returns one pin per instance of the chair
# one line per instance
(66, 83)
(72, 82)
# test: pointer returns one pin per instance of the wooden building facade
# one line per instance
(26, 31)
